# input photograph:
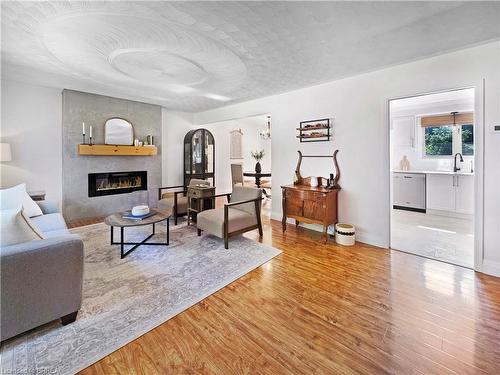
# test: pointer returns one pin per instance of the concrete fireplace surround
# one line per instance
(94, 110)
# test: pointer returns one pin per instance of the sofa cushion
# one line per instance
(17, 228)
(56, 233)
(212, 221)
(50, 222)
(17, 196)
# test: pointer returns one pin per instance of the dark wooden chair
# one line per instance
(176, 201)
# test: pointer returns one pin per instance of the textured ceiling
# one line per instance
(195, 56)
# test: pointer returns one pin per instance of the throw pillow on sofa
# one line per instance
(17, 228)
(17, 196)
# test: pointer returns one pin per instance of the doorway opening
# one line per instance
(432, 156)
(245, 142)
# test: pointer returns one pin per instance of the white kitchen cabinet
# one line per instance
(451, 193)
(441, 192)
(403, 128)
(464, 187)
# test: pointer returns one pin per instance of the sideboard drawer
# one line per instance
(304, 195)
(194, 192)
(314, 196)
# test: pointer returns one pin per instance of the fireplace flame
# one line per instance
(119, 183)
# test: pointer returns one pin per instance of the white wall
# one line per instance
(358, 106)
(31, 123)
(251, 141)
(175, 125)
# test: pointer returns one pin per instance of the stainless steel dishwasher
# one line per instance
(409, 191)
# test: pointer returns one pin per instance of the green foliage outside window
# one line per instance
(438, 140)
(467, 140)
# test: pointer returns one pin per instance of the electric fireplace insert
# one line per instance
(117, 182)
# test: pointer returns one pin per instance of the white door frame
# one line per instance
(479, 134)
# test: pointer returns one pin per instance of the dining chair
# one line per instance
(237, 174)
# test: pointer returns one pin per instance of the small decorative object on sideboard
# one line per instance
(314, 131)
(258, 156)
(313, 182)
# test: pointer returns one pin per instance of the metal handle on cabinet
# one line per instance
(458, 181)
(407, 177)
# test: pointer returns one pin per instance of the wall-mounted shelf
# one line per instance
(102, 150)
(314, 131)
(315, 127)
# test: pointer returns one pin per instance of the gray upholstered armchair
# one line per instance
(178, 203)
(240, 215)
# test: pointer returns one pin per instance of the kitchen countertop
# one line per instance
(459, 173)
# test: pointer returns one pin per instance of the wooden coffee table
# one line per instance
(117, 220)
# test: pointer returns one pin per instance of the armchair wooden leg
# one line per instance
(70, 318)
(259, 219)
(226, 227)
(199, 232)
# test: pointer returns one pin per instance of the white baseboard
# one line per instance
(456, 215)
(490, 267)
(366, 238)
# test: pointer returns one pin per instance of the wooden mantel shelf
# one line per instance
(117, 150)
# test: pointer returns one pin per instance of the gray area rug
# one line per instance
(125, 298)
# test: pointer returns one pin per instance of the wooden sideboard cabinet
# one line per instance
(308, 204)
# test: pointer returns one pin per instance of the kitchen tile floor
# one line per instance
(439, 237)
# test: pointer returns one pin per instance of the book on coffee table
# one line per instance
(128, 215)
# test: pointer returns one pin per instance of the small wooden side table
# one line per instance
(200, 198)
(37, 195)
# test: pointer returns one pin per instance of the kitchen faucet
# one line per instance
(455, 168)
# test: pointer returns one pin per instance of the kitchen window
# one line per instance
(443, 138)
(467, 139)
(438, 140)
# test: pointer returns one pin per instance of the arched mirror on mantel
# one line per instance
(118, 131)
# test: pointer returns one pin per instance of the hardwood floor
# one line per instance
(328, 309)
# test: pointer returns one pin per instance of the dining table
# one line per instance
(258, 176)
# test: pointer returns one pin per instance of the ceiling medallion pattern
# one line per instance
(152, 57)
(199, 55)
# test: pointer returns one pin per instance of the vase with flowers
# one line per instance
(258, 156)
